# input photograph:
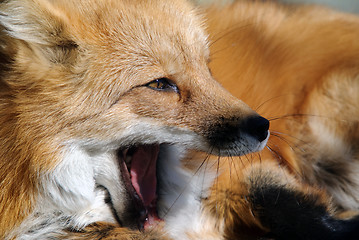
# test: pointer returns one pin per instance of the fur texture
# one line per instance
(297, 66)
(94, 95)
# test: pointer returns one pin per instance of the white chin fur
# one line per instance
(70, 196)
(181, 193)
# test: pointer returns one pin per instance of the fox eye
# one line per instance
(162, 84)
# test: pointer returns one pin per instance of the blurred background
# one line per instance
(344, 5)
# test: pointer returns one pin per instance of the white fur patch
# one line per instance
(71, 196)
(181, 194)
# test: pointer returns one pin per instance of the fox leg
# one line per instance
(266, 201)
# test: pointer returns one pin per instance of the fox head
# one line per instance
(84, 82)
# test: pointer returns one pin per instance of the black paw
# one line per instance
(293, 215)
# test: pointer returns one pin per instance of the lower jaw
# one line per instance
(144, 212)
(152, 219)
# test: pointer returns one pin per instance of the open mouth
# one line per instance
(138, 170)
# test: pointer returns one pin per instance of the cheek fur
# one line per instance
(160, 105)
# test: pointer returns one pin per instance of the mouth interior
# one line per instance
(138, 167)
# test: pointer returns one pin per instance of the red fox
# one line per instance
(107, 107)
(99, 101)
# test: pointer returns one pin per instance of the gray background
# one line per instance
(344, 5)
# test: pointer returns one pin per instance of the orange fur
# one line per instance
(76, 90)
(299, 67)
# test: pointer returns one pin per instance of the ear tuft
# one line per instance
(34, 21)
(38, 23)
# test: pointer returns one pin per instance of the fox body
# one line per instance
(96, 94)
(298, 67)
(106, 108)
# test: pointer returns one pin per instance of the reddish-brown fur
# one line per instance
(299, 67)
(78, 70)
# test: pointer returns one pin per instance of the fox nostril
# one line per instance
(257, 126)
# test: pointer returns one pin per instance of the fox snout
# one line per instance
(226, 132)
(245, 134)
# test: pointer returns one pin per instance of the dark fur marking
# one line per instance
(224, 132)
(292, 215)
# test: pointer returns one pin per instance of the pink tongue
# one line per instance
(143, 173)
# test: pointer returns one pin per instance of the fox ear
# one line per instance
(40, 25)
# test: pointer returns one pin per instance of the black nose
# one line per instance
(257, 126)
